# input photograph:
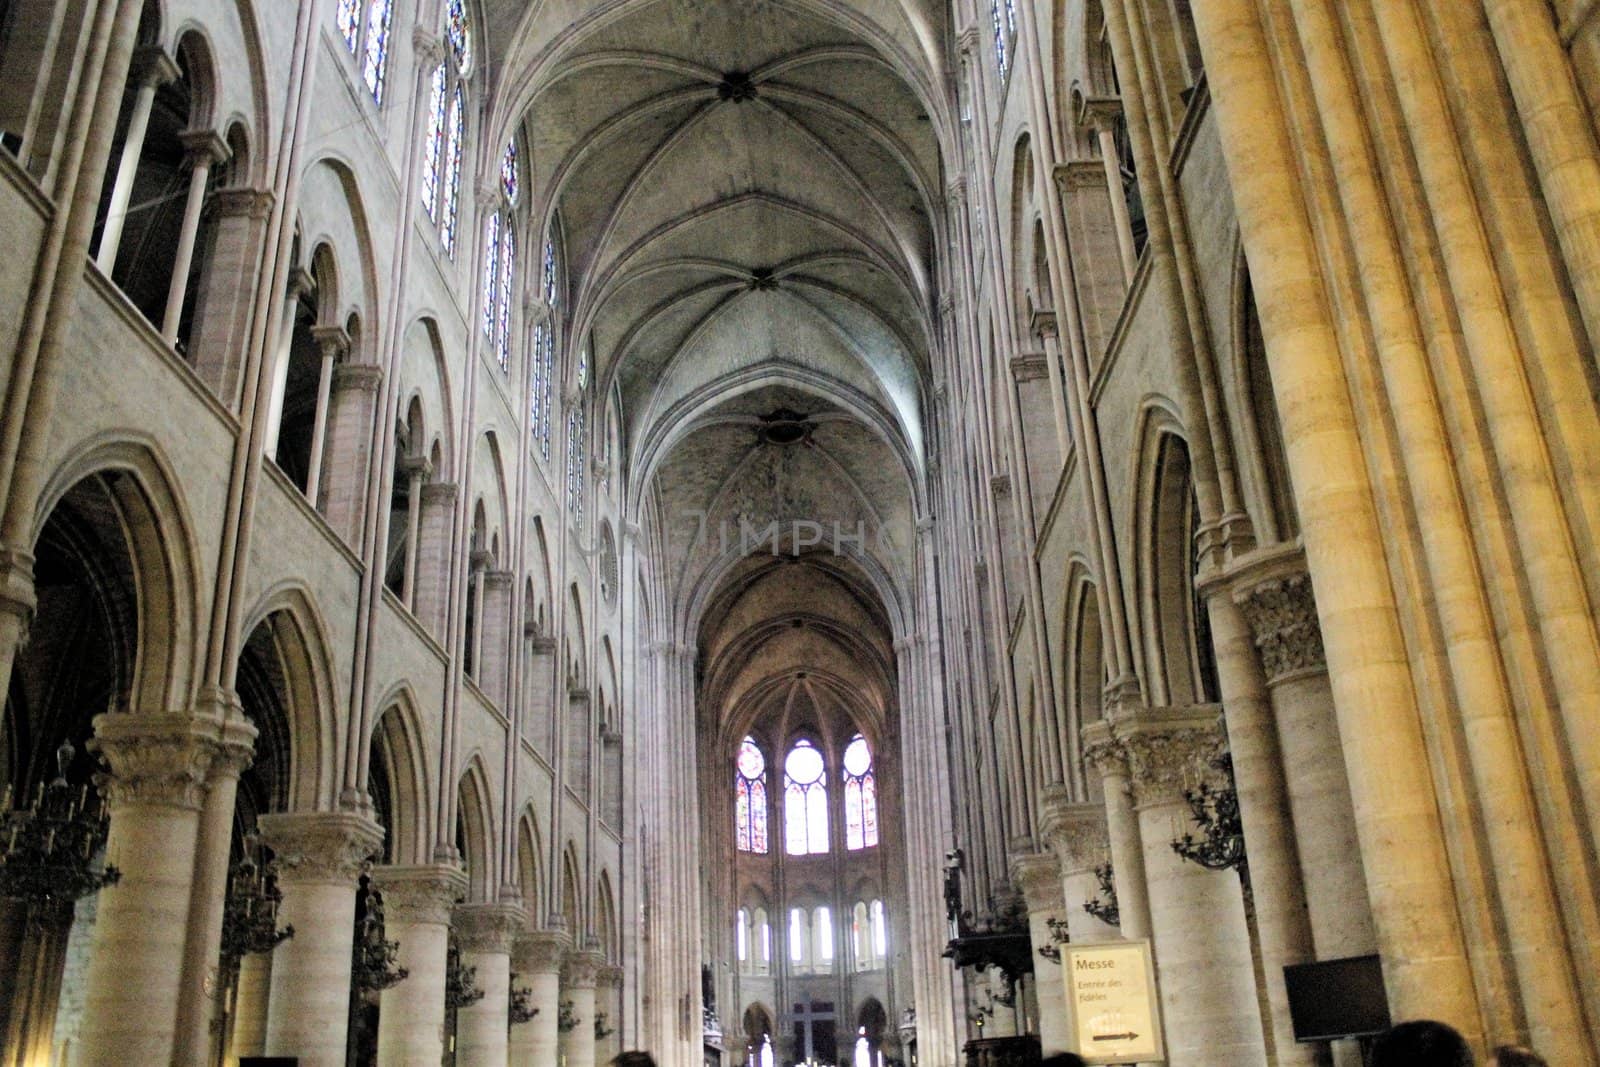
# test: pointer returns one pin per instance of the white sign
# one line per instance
(1111, 1001)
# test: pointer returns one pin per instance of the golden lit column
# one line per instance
(578, 977)
(485, 933)
(536, 967)
(1077, 835)
(1038, 875)
(417, 902)
(154, 792)
(1197, 916)
(319, 858)
(1397, 817)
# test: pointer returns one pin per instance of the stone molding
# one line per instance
(1030, 367)
(1102, 751)
(540, 952)
(1282, 614)
(1081, 174)
(610, 977)
(1161, 753)
(363, 376)
(204, 146)
(425, 894)
(166, 760)
(242, 202)
(1076, 832)
(1038, 875)
(324, 846)
(440, 493)
(581, 970)
(332, 340)
(488, 928)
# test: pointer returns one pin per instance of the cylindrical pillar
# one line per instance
(250, 1006)
(1077, 835)
(1105, 756)
(416, 469)
(1038, 875)
(333, 341)
(608, 1015)
(1104, 114)
(319, 856)
(417, 902)
(578, 977)
(300, 283)
(205, 149)
(152, 68)
(537, 958)
(485, 934)
(1197, 918)
(154, 792)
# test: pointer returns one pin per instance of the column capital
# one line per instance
(243, 202)
(423, 894)
(540, 952)
(165, 759)
(1100, 112)
(967, 41)
(489, 928)
(1281, 610)
(1029, 367)
(331, 340)
(610, 977)
(363, 376)
(541, 644)
(1043, 323)
(1075, 832)
(1080, 174)
(204, 147)
(321, 846)
(440, 493)
(416, 466)
(153, 68)
(1038, 875)
(299, 282)
(581, 970)
(1169, 752)
(428, 47)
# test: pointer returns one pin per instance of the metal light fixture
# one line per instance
(522, 1009)
(1220, 844)
(1103, 906)
(460, 983)
(250, 912)
(50, 846)
(1059, 935)
(601, 1030)
(375, 966)
(567, 1021)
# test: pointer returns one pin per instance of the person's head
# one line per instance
(1517, 1056)
(634, 1059)
(1063, 1059)
(1423, 1043)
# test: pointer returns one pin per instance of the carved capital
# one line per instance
(241, 202)
(1099, 112)
(428, 47)
(1029, 367)
(1075, 832)
(416, 467)
(1103, 752)
(437, 493)
(609, 978)
(363, 376)
(488, 928)
(1081, 174)
(323, 846)
(420, 895)
(540, 952)
(205, 147)
(332, 341)
(1038, 875)
(165, 760)
(1168, 754)
(1044, 325)
(581, 970)
(1282, 613)
(153, 68)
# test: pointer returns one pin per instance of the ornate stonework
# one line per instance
(325, 846)
(1282, 614)
(1164, 763)
(581, 970)
(488, 927)
(540, 952)
(425, 894)
(1038, 875)
(1075, 832)
(166, 760)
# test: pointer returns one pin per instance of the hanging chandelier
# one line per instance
(250, 913)
(460, 983)
(51, 846)
(375, 964)
(522, 1009)
(1215, 811)
(1103, 906)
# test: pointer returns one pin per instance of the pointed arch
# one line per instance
(398, 781)
(475, 830)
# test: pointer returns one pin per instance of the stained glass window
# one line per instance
(491, 273)
(999, 35)
(550, 289)
(805, 801)
(459, 33)
(575, 461)
(822, 927)
(750, 788)
(583, 367)
(433, 145)
(349, 15)
(451, 181)
(376, 59)
(880, 931)
(545, 360)
(508, 277)
(860, 796)
(546, 399)
(536, 382)
(510, 174)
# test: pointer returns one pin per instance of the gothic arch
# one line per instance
(605, 919)
(399, 769)
(530, 852)
(476, 831)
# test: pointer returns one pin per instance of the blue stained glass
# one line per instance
(432, 148)
(349, 16)
(583, 367)
(378, 18)
(1011, 16)
(491, 274)
(459, 31)
(536, 384)
(550, 273)
(510, 180)
(452, 171)
(549, 375)
(999, 35)
(508, 275)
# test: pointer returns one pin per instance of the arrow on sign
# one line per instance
(1114, 1037)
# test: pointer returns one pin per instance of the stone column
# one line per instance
(205, 150)
(1077, 835)
(1095, 236)
(1104, 755)
(485, 934)
(494, 633)
(578, 977)
(225, 294)
(152, 68)
(299, 283)
(1281, 610)
(608, 1002)
(250, 1006)
(319, 856)
(1102, 114)
(1038, 875)
(154, 792)
(417, 903)
(416, 469)
(1197, 916)
(539, 718)
(537, 959)
(332, 342)
(355, 398)
(1044, 433)
(433, 557)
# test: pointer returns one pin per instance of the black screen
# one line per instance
(1337, 998)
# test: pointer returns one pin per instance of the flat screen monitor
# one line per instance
(1333, 999)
